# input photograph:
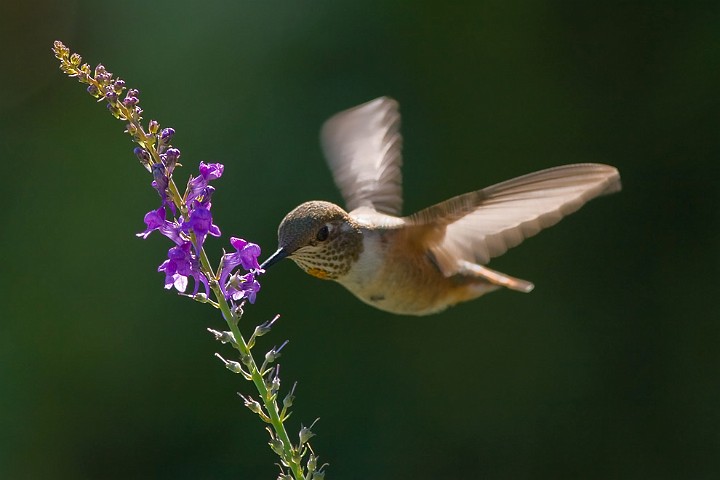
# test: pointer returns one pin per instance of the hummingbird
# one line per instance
(425, 262)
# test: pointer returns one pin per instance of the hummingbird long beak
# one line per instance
(274, 258)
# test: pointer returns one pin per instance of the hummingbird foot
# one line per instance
(493, 276)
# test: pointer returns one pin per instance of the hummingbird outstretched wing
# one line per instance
(362, 146)
(477, 226)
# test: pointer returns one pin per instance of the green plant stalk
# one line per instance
(241, 346)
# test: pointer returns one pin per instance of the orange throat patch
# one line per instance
(319, 273)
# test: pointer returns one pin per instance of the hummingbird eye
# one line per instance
(322, 234)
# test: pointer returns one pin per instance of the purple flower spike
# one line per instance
(179, 266)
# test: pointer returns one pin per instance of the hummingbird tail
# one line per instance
(495, 277)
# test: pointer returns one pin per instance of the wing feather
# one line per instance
(362, 146)
(480, 225)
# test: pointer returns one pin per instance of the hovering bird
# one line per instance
(432, 259)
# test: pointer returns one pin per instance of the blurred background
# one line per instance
(609, 369)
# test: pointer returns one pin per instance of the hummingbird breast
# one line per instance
(393, 276)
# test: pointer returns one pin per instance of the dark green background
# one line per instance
(609, 369)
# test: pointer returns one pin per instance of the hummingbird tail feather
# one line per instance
(495, 277)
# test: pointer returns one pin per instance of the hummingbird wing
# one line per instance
(362, 146)
(477, 226)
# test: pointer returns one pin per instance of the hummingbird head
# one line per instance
(320, 238)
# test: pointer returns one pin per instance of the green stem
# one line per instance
(257, 379)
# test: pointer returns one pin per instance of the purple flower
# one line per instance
(205, 198)
(166, 135)
(155, 220)
(170, 159)
(180, 265)
(131, 98)
(243, 287)
(102, 75)
(208, 172)
(110, 94)
(245, 255)
(160, 183)
(119, 85)
(201, 223)
(142, 155)
(211, 171)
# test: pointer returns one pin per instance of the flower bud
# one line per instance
(118, 85)
(246, 359)
(166, 135)
(201, 297)
(114, 110)
(170, 159)
(252, 404)
(311, 463)
(234, 367)
(277, 446)
(264, 328)
(61, 51)
(130, 101)
(290, 397)
(272, 383)
(100, 70)
(274, 353)
(222, 337)
(306, 434)
(142, 155)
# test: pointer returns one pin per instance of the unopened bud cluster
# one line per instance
(297, 458)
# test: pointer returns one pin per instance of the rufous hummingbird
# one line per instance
(432, 259)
